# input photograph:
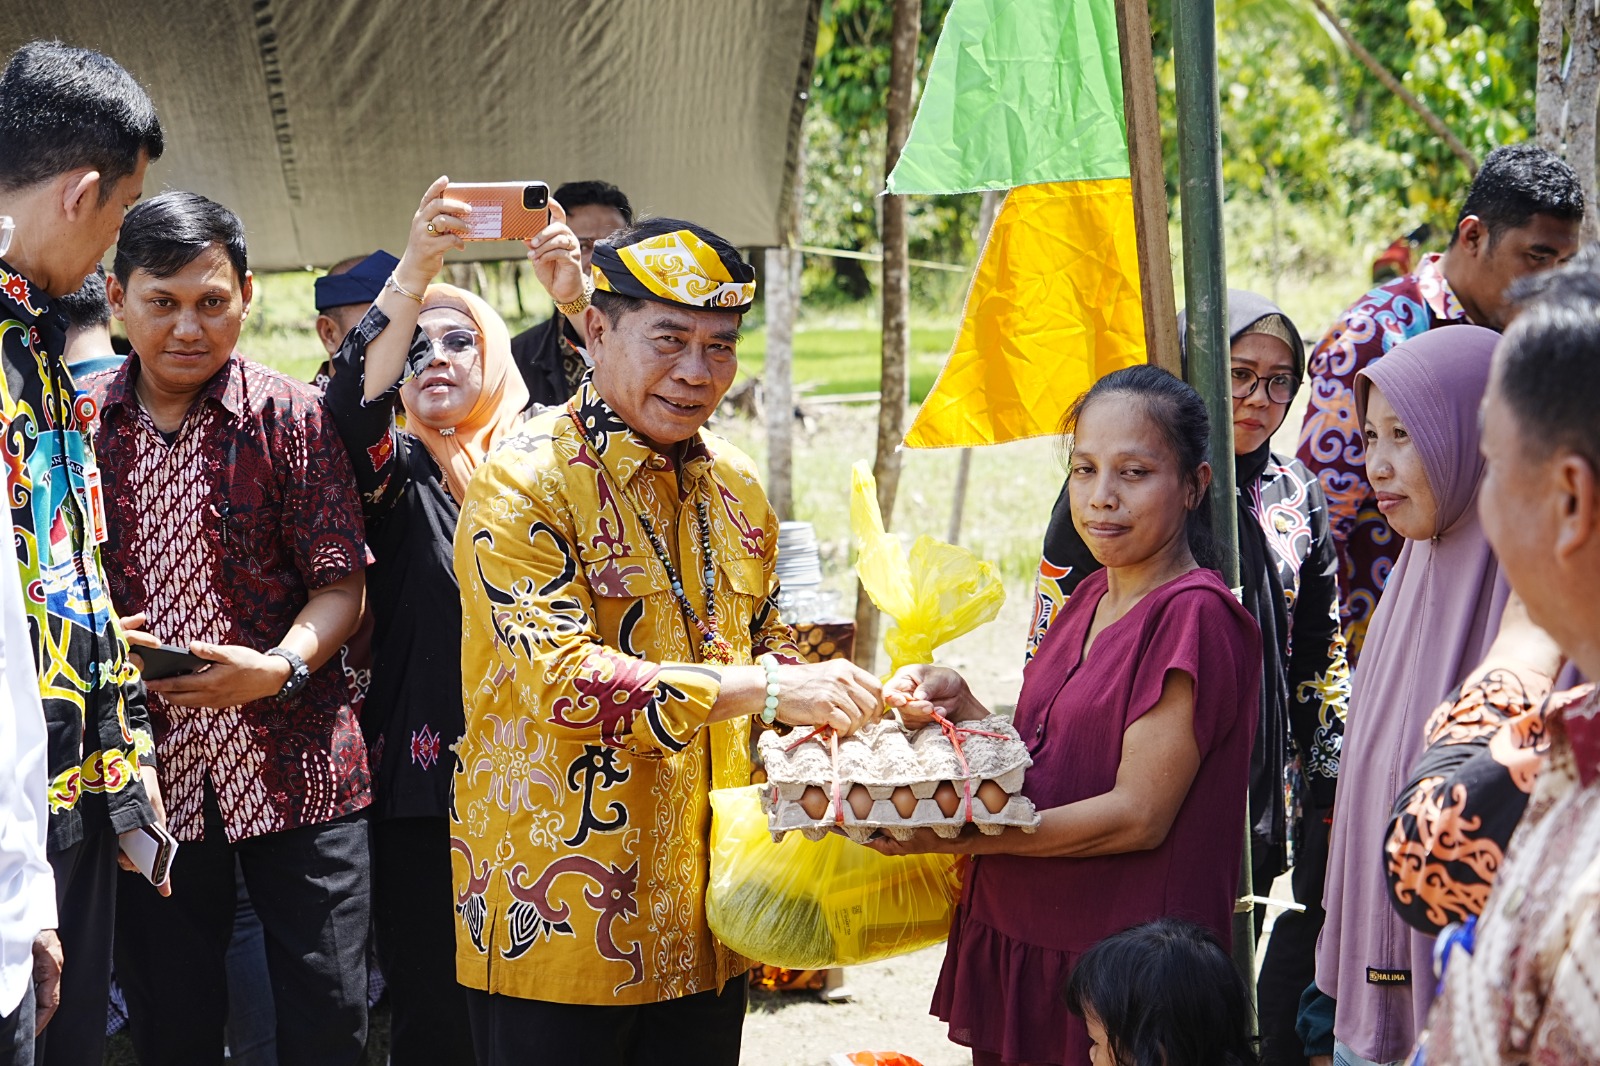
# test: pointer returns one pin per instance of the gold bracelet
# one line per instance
(402, 290)
(577, 306)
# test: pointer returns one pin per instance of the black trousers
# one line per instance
(16, 1032)
(1290, 964)
(310, 888)
(86, 910)
(413, 915)
(704, 1029)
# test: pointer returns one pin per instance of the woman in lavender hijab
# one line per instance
(1441, 606)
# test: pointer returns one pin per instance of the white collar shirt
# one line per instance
(27, 885)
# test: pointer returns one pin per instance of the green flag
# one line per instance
(1019, 92)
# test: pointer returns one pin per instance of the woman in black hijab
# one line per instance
(1288, 567)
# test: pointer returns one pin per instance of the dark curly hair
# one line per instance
(1517, 182)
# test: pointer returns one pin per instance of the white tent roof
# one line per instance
(321, 122)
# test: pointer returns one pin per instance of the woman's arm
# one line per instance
(367, 428)
(422, 261)
(1160, 758)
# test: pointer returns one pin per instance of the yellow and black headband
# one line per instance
(672, 262)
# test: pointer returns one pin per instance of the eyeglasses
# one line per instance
(456, 344)
(1280, 387)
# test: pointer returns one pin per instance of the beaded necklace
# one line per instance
(714, 647)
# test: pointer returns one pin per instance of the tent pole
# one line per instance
(1194, 36)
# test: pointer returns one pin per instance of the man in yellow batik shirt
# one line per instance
(618, 589)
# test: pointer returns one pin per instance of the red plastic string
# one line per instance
(838, 797)
(954, 733)
(833, 754)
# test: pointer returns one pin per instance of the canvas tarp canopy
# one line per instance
(321, 122)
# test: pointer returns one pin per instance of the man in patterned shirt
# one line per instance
(1521, 216)
(75, 135)
(617, 579)
(236, 532)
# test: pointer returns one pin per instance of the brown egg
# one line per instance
(860, 801)
(948, 799)
(904, 800)
(814, 801)
(992, 796)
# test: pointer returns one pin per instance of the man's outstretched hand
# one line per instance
(836, 693)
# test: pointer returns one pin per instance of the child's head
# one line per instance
(1139, 468)
(1162, 994)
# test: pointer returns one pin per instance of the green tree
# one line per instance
(844, 161)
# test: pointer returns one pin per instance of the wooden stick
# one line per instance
(896, 382)
(1149, 186)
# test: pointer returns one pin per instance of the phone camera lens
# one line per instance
(535, 197)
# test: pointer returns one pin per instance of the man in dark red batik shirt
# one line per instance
(235, 531)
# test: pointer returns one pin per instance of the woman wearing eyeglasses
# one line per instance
(1288, 568)
(446, 355)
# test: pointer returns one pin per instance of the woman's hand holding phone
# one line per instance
(438, 227)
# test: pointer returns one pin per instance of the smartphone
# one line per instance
(151, 848)
(168, 660)
(503, 210)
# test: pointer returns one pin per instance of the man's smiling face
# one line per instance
(664, 368)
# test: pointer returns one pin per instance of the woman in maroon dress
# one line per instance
(1139, 710)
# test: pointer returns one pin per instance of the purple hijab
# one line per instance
(1439, 612)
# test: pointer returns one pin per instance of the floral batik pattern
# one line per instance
(1331, 443)
(581, 828)
(1469, 789)
(219, 536)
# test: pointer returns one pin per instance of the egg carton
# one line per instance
(894, 783)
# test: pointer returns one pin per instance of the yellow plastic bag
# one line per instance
(809, 905)
(937, 594)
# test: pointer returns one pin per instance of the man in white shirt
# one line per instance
(30, 953)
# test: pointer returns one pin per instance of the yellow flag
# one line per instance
(1054, 305)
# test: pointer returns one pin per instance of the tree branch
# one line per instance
(1390, 82)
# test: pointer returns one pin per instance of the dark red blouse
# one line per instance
(1024, 921)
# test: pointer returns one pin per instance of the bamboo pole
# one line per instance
(782, 279)
(1194, 36)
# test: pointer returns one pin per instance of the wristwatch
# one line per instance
(299, 673)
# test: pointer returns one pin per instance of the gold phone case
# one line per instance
(500, 211)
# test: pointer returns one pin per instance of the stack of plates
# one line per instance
(799, 566)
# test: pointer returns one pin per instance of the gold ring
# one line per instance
(432, 228)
